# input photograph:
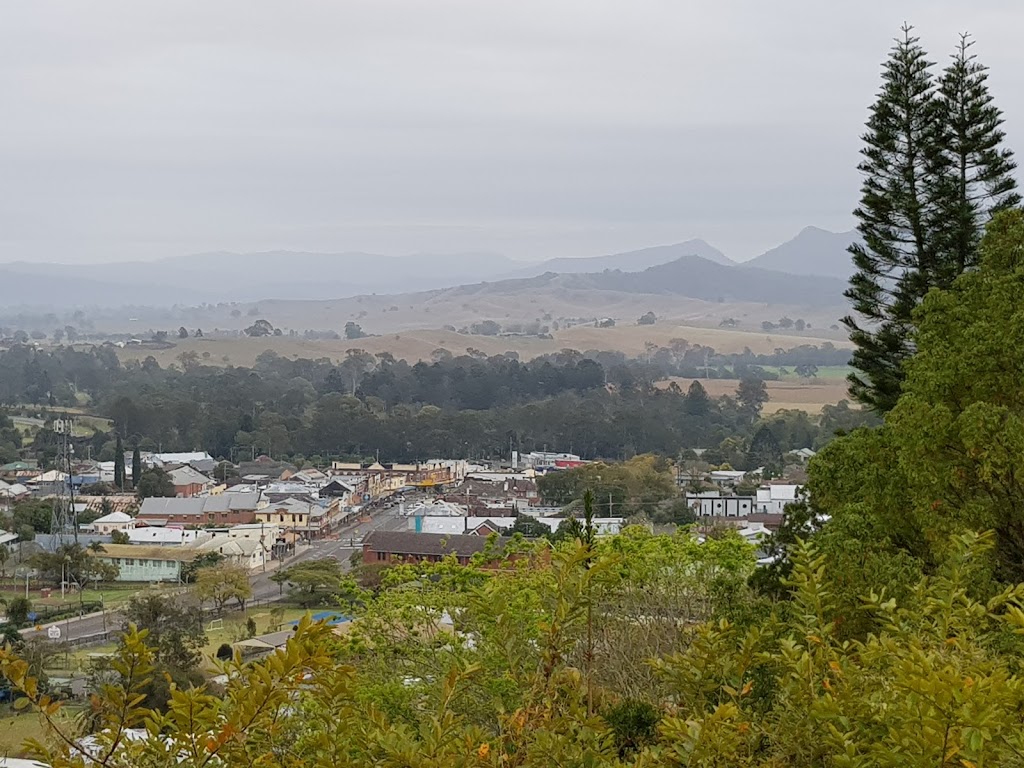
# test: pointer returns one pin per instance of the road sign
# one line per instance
(53, 633)
(33, 616)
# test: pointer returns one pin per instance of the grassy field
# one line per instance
(419, 344)
(228, 629)
(826, 373)
(16, 728)
(110, 596)
(788, 394)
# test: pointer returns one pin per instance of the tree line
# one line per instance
(595, 404)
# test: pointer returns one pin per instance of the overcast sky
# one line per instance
(133, 130)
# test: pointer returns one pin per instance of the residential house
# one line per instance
(189, 482)
(145, 563)
(12, 492)
(115, 521)
(246, 553)
(270, 537)
(225, 509)
(407, 546)
(723, 477)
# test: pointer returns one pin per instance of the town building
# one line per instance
(189, 482)
(225, 509)
(166, 536)
(145, 563)
(772, 499)
(198, 460)
(246, 553)
(300, 520)
(716, 505)
(115, 521)
(410, 547)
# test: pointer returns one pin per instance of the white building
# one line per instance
(435, 508)
(115, 521)
(716, 505)
(727, 476)
(166, 536)
(244, 552)
(262, 533)
(772, 499)
(546, 458)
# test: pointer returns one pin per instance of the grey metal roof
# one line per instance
(412, 543)
(199, 506)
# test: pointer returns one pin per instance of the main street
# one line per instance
(383, 515)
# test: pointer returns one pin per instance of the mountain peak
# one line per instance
(814, 251)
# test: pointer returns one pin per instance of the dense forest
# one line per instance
(596, 404)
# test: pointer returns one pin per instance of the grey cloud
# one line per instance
(134, 130)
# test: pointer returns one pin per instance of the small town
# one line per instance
(511, 385)
(243, 547)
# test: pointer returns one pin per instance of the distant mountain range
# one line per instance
(691, 276)
(631, 261)
(790, 273)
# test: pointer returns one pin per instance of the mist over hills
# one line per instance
(630, 261)
(691, 276)
(813, 251)
(795, 272)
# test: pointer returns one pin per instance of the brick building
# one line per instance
(224, 510)
(412, 547)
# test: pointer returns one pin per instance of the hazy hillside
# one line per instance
(630, 261)
(224, 276)
(812, 252)
(693, 269)
(689, 276)
(58, 287)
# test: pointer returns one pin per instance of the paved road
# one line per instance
(78, 628)
(340, 546)
(383, 516)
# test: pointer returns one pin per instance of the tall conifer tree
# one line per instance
(934, 173)
(136, 467)
(975, 170)
(119, 463)
(896, 252)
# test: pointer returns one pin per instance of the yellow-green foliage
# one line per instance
(524, 678)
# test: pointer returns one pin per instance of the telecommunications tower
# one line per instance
(63, 517)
